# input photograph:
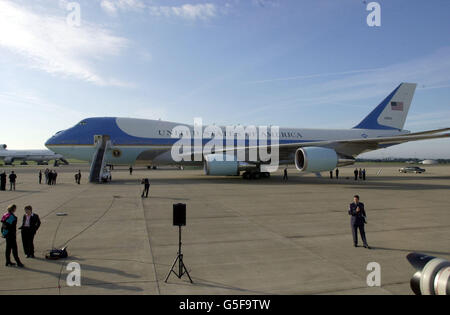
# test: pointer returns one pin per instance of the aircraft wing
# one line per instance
(428, 132)
(348, 147)
(355, 147)
(425, 135)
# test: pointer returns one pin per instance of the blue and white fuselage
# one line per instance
(150, 142)
(142, 141)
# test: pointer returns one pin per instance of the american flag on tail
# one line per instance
(397, 106)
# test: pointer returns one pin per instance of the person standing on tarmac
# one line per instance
(146, 183)
(285, 174)
(30, 225)
(12, 181)
(3, 181)
(358, 220)
(9, 228)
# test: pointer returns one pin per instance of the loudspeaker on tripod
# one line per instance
(179, 219)
(179, 214)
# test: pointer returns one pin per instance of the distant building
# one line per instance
(429, 162)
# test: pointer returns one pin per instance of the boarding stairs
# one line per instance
(102, 144)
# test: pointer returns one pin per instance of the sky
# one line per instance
(291, 63)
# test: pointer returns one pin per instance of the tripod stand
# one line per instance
(181, 266)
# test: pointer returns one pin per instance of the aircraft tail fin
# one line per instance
(392, 111)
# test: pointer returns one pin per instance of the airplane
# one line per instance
(40, 156)
(129, 141)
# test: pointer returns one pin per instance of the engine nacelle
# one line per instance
(8, 160)
(316, 159)
(225, 165)
(432, 275)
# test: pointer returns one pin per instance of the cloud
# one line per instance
(34, 111)
(112, 7)
(199, 11)
(430, 72)
(311, 76)
(186, 11)
(437, 119)
(48, 43)
(266, 3)
(28, 102)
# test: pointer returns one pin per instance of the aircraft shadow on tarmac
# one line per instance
(86, 281)
(198, 282)
(372, 183)
(401, 186)
(167, 198)
(411, 250)
(93, 267)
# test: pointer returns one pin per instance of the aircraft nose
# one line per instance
(53, 140)
(50, 141)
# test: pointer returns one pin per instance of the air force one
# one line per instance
(39, 156)
(128, 141)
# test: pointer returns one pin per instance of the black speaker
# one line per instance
(179, 214)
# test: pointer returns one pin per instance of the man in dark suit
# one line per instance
(12, 181)
(30, 225)
(146, 183)
(54, 177)
(3, 181)
(358, 219)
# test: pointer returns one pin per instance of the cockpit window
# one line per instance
(83, 123)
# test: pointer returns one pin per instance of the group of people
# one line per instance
(30, 225)
(50, 177)
(337, 174)
(12, 180)
(361, 174)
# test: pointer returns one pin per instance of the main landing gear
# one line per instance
(255, 175)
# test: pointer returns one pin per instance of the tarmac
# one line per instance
(242, 236)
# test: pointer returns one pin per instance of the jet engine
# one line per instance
(8, 160)
(432, 275)
(225, 165)
(316, 159)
